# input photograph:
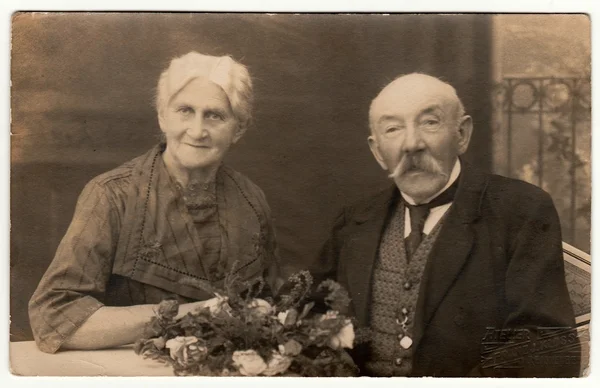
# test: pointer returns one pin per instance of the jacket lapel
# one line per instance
(451, 249)
(362, 250)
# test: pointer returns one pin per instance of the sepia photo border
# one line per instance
(373, 6)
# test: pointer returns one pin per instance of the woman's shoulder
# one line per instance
(117, 180)
(244, 184)
(240, 180)
(122, 172)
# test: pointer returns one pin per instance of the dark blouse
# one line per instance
(135, 240)
(201, 204)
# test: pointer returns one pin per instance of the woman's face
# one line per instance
(199, 126)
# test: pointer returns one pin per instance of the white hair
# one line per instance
(231, 76)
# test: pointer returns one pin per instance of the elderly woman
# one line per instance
(169, 223)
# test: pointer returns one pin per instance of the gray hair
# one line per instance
(231, 76)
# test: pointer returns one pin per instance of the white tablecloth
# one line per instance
(27, 360)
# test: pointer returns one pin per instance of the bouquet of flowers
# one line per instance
(238, 333)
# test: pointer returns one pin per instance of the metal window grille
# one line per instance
(546, 124)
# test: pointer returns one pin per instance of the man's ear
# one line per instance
(374, 146)
(465, 129)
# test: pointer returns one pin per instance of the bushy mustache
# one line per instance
(421, 162)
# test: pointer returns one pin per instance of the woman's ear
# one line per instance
(241, 129)
(161, 121)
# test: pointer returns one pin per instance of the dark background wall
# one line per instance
(82, 92)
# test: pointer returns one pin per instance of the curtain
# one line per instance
(82, 102)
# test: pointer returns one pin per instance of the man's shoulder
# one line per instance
(514, 192)
(369, 200)
(514, 200)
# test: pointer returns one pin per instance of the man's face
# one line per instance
(199, 125)
(417, 134)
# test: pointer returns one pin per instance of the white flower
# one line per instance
(282, 316)
(248, 362)
(195, 352)
(178, 348)
(260, 306)
(277, 364)
(290, 348)
(344, 338)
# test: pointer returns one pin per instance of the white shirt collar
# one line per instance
(453, 176)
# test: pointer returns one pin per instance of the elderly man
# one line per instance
(452, 269)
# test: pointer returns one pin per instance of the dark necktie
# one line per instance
(418, 215)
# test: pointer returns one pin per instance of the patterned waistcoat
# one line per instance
(396, 283)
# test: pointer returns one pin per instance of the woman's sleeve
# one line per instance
(74, 285)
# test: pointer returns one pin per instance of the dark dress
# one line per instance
(135, 239)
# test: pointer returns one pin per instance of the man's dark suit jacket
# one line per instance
(497, 262)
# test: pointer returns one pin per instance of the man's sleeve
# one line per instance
(326, 265)
(537, 295)
(74, 285)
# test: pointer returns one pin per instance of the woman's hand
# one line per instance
(110, 327)
(190, 308)
(215, 305)
(115, 326)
